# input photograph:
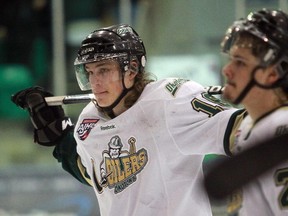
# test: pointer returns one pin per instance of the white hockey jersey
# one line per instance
(148, 160)
(267, 195)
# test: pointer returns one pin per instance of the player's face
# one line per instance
(106, 81)
(237, 71)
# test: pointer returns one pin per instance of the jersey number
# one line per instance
(281, 179)
(201, 106)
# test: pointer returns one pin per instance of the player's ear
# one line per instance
(134, 67)
(272, 75)
(267, 76)
(131, 74)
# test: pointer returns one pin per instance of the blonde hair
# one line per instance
(141, 80)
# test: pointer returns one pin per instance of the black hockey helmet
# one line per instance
(271, 27)
(118, 42)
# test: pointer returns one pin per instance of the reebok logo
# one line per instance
(108, 127)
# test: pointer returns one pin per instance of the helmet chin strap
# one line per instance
(109, 109)
(248, 87)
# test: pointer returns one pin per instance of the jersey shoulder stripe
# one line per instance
(232, 127)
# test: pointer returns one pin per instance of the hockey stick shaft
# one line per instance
(233, 173)
(69, 99)
(84, 98)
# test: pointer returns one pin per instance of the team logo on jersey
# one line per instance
(119, 168)
(85, 127)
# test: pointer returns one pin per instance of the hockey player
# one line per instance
(141, 143)
(256, 76)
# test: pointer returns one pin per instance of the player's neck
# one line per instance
(263, 102)
(120, 108)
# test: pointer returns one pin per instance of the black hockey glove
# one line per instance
(50, 122)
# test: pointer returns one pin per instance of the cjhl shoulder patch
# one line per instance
(85, 127)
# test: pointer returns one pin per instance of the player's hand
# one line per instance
(50, 122)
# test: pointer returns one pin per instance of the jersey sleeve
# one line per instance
(202, 120)
(66, 154)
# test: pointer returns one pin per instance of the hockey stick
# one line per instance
(233, 173)
(69, 99)
(84, 98)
